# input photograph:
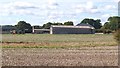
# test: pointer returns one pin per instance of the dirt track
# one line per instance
(85, 56)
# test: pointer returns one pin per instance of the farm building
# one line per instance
(38, 30)
(7, 29)
(41, 31)
(0, 29)
(78, 29)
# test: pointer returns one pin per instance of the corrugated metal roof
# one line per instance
(72, 26)
(82, 24)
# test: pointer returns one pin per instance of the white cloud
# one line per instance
(52, 2)
(21, 5)
(18, 8)
(109, 7)
(116, 1)
(95, 11)
(51, 7)
(105, 17)
(79, 8)
(61, 10)
(89, 7)
(25, 8)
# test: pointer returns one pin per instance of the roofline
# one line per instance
(42, 29)
(73, 26)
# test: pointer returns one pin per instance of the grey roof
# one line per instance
(8, 27)
(72, 26)
(82, 24)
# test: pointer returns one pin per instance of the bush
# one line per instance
(117, 36)
(98, 31)
(107, 31)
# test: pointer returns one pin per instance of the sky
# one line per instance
(39, 12)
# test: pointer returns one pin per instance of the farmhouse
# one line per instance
(78, 29)
(7, 29)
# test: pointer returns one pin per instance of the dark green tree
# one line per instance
(57, 23)
(117, 36)
(95, 23)
(113, 23)
(47, 25)
(23, 27)
(68, 23)
(37, 27)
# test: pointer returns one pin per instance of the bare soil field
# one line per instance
(59, 50)
(83, 56)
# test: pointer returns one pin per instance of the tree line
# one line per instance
(23, 27)
(112, 24)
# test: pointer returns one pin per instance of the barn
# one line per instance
(78, 29)
(7, 29)
(41, 31)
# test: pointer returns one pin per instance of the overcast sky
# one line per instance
(38, 12)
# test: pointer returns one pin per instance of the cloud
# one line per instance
(116, 1)
(52, 2)
(22, 5)
(51, 7)
(27, 8)
(17, 8)
(105, 17)
(109, 7)
(89, 7)
(61, 10)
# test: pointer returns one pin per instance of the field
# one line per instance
(59, 50)
(57, 41)
(85, 56)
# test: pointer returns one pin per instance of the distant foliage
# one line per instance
(23, 27)
(112, 24)
(37, 27)
(117, 36)
(95, 23)
(69, 23)
(48, 25)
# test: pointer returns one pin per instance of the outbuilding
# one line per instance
(78, 29)
(41, 31)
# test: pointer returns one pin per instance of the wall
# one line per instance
(62, 30)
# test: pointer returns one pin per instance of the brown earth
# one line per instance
(84, 56)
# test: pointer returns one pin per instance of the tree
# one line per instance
(117, 36)
(47, 25)
(57, 23)
(106, 25)
(95, 23)
(113, 23)
(37, 27)
(68, 23)
(24, 27)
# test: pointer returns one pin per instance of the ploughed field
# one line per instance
(59, 50)
(84, 56)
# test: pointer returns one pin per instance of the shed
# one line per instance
(79, 29)
(41, 31)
